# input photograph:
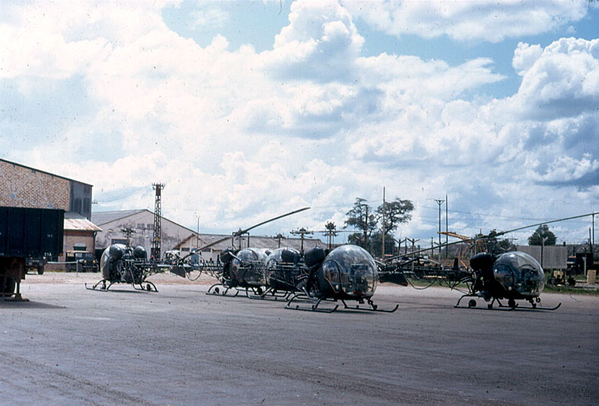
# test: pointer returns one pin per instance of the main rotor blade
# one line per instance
(240, 232)
(547, 222)
(484, 237)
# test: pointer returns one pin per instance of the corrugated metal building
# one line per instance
(141, 223)
(551, 257)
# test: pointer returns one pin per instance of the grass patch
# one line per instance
(571, 290)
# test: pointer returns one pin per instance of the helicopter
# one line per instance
(236, 269)
(343, 274)
(512, 275)
(121, 263)
(240, 270)
(346, 273)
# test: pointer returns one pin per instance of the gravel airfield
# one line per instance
(179, 346)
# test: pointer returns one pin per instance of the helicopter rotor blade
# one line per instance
(484, 237)
(241, 232)
(546, 222)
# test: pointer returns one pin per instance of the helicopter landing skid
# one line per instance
(216, 290)
(512, 305)
(516, 306)
(268, 294)
(106, 284)
(373, 307)
(149, 286)
(306, 299)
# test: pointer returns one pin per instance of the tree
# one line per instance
(362, 218)
(496, 246)
(542, 236)
(396, 212)
(331, 232)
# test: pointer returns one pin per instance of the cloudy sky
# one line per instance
(249, 109)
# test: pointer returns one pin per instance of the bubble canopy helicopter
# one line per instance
(121, 263)
(346, 273)
(512, 275)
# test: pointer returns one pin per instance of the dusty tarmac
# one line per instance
(71, 346)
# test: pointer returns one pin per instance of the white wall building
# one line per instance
(178, 237)
(141, 222)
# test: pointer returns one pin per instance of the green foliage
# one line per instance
(396, 212)
(364, 219)
(542, 234)
(496, 246)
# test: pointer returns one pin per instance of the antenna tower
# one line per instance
(155, 253)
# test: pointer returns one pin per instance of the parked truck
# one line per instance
(27, 235)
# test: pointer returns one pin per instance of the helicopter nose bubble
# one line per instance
(521, 273)
(350, 270)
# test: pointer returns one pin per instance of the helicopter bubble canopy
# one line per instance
(246, 267)
(349, 271)
(519, 272)
(251, 255)
(282, 270)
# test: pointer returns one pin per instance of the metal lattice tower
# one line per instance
(155, 253)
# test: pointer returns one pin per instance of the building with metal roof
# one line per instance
(139, 224)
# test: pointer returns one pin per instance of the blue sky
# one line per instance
(247, 109)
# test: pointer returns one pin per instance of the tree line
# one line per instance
(371, 224)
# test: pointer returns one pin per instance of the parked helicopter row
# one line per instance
(318, 280)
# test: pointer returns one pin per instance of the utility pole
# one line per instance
(128, 232)
(593, 232)
(439, 202)
(366, 229)
(302, 232)
(383, 250)
(446, 225)
(156, 240)
(278, 237)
